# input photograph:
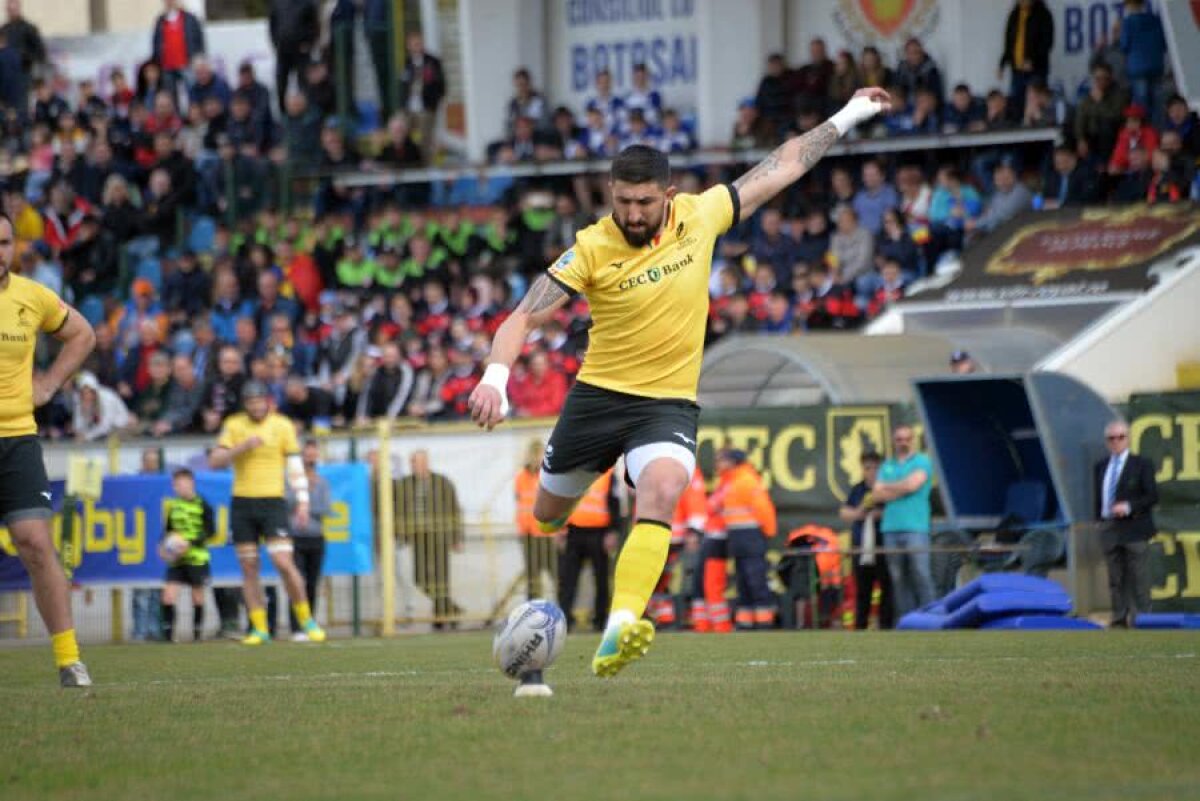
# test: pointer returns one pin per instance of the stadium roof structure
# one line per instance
(839, 368)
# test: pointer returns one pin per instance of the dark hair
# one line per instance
(522, 73)
(871, 456)
(183, 472)
(640, 164)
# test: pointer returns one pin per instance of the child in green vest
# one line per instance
(187, 528)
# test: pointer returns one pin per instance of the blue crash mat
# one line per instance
(990, 606)
(991, 583)
(1166, 620)
(1042, 623)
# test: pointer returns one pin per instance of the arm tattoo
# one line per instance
(805, 151)
(764, 168)
(815, 144)
(541, 296)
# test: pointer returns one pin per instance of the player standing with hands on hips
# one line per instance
(644, 271)
(26, 308)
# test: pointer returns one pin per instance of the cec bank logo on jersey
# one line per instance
(23, 325)
(652, 275)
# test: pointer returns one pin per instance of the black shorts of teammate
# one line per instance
(255, 519)
(191, 575)
(598, 425)
(24, 488)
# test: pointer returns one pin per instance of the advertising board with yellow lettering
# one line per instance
(116, 537)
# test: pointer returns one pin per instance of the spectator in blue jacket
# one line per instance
(1145, 49)
(954, 203)
(207, 83)
(875, 197)
(773, 247)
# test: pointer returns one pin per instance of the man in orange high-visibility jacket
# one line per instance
(750, 520)
(541, 555)
(591, 536)
(826, 555)
(690, 514)
(710, 610)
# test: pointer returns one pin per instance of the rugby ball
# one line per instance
(530, 639)
(173, 548)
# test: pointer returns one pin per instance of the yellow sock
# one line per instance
(66, 649)
(302, 612)
(640, 566)
(258, 619)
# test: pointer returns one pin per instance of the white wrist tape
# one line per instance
(854, 113)
(297, 478)
(496, 375)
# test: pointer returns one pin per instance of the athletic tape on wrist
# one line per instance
(496, 375)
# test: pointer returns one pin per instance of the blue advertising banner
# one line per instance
(117, 537)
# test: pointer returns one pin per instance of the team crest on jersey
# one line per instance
(22, 321)
(681, 237)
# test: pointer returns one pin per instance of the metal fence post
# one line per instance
(387, 532)
(117, 595)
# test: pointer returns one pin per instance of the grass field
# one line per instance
(770, 716)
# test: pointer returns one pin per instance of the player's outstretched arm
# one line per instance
(489, 400)
(788, 162)
(78, 339)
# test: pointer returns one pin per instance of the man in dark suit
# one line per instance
(1068, 183)
(1126, 495)
(422, 88)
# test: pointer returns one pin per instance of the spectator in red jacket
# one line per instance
(540, 390)
(302, 272)
(64, 217)
(891, 287)
(1167, 182)
(178, 38)
(827, 304)
(1136, 135)
(458, 386)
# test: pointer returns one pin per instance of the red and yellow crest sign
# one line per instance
(864, 21)
(886, 16)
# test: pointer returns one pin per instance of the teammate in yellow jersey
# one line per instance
(644, 271)
(26, 308)
(262, 446)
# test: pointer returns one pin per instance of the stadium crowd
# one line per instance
(167, 207)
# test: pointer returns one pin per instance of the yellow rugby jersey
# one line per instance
(259, 472)
(649, 305)
(26, 307)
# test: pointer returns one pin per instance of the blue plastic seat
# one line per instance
(92, 309)
(151, 270)
(203, 235)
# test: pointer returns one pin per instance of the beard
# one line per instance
(639, 238)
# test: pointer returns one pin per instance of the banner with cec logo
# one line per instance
(1165, 428)
(810, 458)
(117, 538)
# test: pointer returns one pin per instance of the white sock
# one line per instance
(618, 618)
